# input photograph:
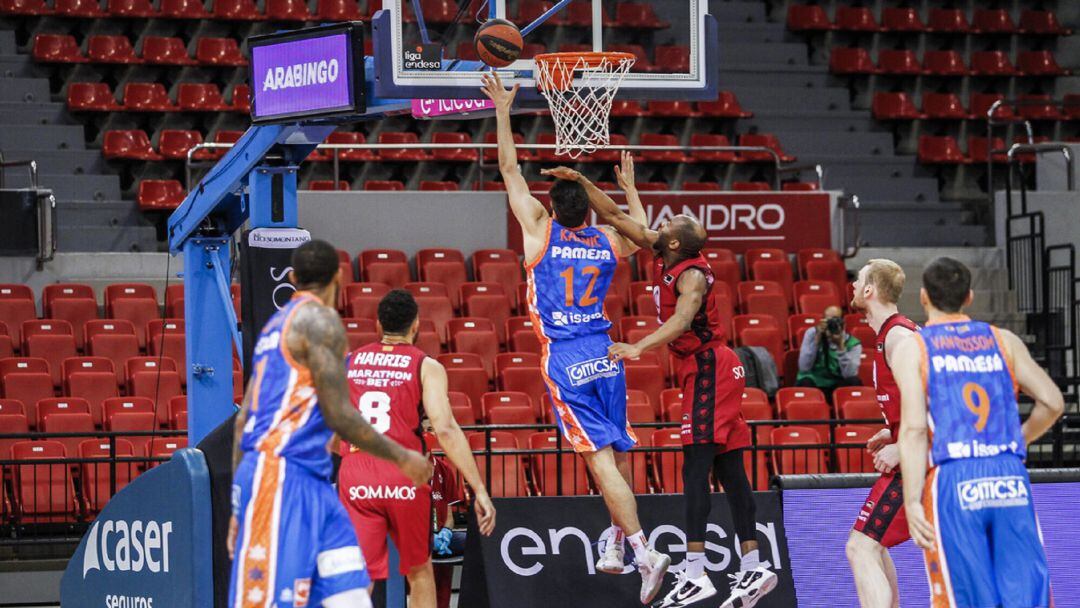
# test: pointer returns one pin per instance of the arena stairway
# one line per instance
(91, 216)
(811, 112)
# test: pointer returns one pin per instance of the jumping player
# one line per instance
(958, 383)
(570, 266)
(712, 378)
(289, 537)
(394, 385)
(881, 523)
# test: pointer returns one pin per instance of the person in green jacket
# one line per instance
(829, 356)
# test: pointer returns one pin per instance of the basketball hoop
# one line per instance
(582, 108)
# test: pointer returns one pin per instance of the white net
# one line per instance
(579, 89)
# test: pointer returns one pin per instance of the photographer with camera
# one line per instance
(829, 356)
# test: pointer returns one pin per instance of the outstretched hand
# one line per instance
(564, 173)
(493, 88)
(624, 174)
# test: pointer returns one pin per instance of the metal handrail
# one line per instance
(31, 164)
(335, 148)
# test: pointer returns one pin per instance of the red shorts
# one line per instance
(381, 501)
(882, 517)
(712, 384)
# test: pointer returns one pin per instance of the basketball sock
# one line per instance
(617, 535)
(750, 561)
(641, 547)
(695, 564)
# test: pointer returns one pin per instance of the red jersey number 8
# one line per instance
(375, 406)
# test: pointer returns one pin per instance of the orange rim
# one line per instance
(561, 66)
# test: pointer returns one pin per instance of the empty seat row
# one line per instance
(946, 150)
(812, 18)
(948, 106)
(901, 62)
(153, 97)
(118, 49)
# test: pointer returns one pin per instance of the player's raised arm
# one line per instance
(913, 441)
(528, 211)
(1035, 383)
(628, 227)
(316, 339)
(692, 287)
(453, 442)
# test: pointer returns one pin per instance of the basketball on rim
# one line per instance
(498, 43)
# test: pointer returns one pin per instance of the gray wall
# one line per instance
(1061, 212)
(365, 220)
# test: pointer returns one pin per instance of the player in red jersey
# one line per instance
(394, 384)
(881, 523)
(712, 378)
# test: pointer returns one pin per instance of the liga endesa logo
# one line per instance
(526, 552)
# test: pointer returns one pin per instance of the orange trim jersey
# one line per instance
(284, 418)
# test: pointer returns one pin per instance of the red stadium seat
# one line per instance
(164, 447)
(945, 106)
(775, 306)
(808, 18)
(1042, 23)
(219, 51)
(167, 337)
(128, 145)
(944, 63)
(97, 480)
(111, 49)
(637, 15)
(338, 10)
(43, 492)
(161, 386)
(388, 266)
(982, 102)
(827, 289)
(126, 405)
(24, 7)
(667, 466)
(446, 266)
(463, 155)
(948, 21)
(114, 340)
(993, 21)
(57, 48)
(674, 58)
(851, 61)
(384, 185)
(402, 154)
(175, 143)
(287, 10)
(12, 423)
(160, 194)
(894, 106)
(643, 64)
(940, 150)
(240, 100)
(200, 97)
(438, 186)
(807, 412)
(662, 156)
(526, 360)
(139, 9)
(851, 453)
(768, 338)
(89, 9)
(898, 62)
(788, 395)
(992, 63)
(240, 10)
(797, 325)
(147, 97)
(29, 388)
(726, 106)
(979, 149)
(763, 140)
(61, 405)
(328, 185)
(714, 156)
(184, 9)
(897, 19)
(133, 422)
(487, 300)
(50, 339)
(360, 332)
(135, 302)
(91, 97)
(795, 459)
(64, 422)
(1038, 107)
(498, 266)
(1039, 63)
(475, 335)
(76, 307)
(751, 187)
(520, 335)
(800, 187)
(162, 50)
(845, 397)
(466, 375)
(505, 472)
(545, 467)
(363, 299)
(856, 19)
(524, 380)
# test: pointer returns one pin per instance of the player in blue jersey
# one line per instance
(291, 541)
(958, 382)
(570, 266)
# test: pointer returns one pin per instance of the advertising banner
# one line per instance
(150, 546)
(734, 220)
(266, 255)
(818, 522)
(543, 553)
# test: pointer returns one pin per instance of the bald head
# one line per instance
(690, 234)
(833, 311)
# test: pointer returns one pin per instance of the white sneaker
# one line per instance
(749, 586)
(613, 560)
(688, 591)
(652, 575)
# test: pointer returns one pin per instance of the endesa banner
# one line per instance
(151, 545)
(734, 220)
(543, 553)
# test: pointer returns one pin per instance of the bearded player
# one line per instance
(394, 384)
(289, 537)
(570, 266)
(712, 378)
(881, 523)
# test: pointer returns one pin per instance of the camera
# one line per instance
(834, 326)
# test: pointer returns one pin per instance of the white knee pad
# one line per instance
(355, 598)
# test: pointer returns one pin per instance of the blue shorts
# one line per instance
(989, 549)
(588, 393)
(295, 544)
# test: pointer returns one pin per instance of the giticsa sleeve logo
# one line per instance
(121, 546)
